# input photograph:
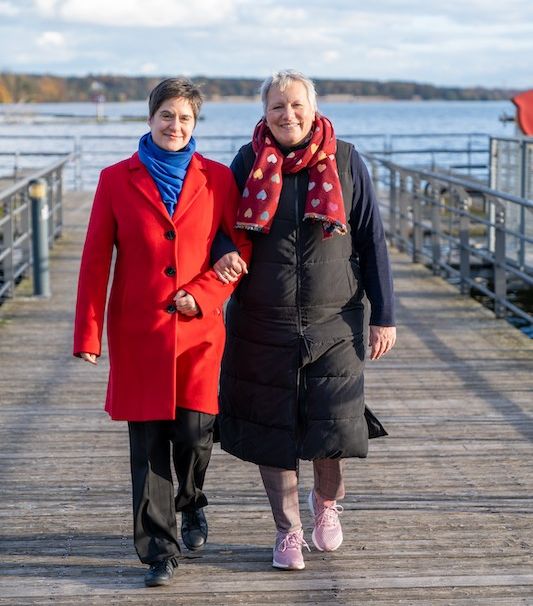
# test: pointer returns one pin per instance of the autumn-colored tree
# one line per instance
(5, 95)
(52, 89)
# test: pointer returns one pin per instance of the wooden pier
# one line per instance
(439, 514)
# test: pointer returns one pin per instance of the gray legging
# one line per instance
(281, 486)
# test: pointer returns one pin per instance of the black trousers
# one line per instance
(188, 441)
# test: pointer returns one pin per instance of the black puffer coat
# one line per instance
(292, 374)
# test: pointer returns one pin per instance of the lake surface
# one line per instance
(225, 118)
(59, 127)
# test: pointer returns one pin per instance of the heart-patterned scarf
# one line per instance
(260, 196)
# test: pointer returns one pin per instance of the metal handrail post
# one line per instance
(7, 264)
(493, 185)
(492, 161)
(500, 277)
(393, 207)
(54, 199)
(58, 209)
(78, 179)
(40, 213)
(417, 221)
(523, 194)
(49, 179)
(403, 215)
(464, 243)
(436, 199)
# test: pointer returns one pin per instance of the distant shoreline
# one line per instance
(256, 99)
(47, 88)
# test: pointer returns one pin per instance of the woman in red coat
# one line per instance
(160, 210)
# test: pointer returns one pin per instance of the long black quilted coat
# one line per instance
(292, 374)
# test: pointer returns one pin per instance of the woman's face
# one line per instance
(172, 124)
(289, 115)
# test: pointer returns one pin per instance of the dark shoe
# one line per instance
(160, 573)
(194, 529)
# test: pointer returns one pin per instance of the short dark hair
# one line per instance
(173, 88)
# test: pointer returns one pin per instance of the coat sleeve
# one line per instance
(94, 274)
(222, 245)
(370, 246)
(238, 167)
(208, 291)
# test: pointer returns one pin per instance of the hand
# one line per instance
(229, 267)
(88, 357)
(381, 340)
(186, 303)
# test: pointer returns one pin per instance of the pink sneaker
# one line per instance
(287, 552)
(327, 533)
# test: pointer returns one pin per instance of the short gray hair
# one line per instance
(284, 78)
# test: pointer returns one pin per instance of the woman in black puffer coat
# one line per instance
(292, 375)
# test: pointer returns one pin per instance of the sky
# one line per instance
(453, 43)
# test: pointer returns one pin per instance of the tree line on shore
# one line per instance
(28, 88)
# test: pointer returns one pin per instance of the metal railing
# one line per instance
(464, 153)
(467, 153)
(16, 250)
(460, 229)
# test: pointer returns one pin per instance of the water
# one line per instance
(60, 127)
(221, 118)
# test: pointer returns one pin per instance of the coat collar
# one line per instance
(195, 181)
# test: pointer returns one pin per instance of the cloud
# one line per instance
(330, 56)
(148, 68)
(459, 42)
(139, 13)
(8, 9)
(51, 40)
(47, 48)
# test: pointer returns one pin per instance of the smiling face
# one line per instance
(289, 114)
(172, 124)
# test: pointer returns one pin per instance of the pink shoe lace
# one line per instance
(293, 540)
(288, 550)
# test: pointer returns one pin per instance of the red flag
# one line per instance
(524, 114)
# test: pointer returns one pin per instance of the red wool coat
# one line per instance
(159, 358)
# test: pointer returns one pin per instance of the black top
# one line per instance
(367, 235)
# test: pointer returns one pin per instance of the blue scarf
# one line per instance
(168, 169)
